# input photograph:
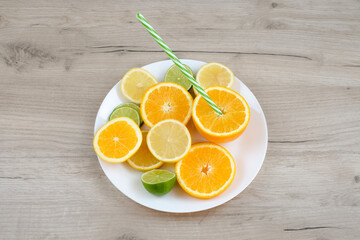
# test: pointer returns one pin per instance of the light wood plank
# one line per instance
(59, 59)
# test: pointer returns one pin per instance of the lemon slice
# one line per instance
(143, 160)
(169, 140)
(135, 83)
(214, 74)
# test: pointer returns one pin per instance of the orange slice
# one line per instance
(206, 170)
(166, 101)
(117, 140)
(224, 128)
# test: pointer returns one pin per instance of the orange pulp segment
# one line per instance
(206, 171)
(166, 101)
(221, 128)
(117, 140)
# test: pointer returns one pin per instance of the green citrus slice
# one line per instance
(158, 181)
(174, 75)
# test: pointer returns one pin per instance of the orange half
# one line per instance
(221, 128)
(206, 170)
(117, 140)
(166, 101)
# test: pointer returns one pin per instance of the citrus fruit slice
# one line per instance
(117, 140)
(132, 105)
(169, 140)
(143, 160)
(214, 74)
(224, 128)
(174, 74)
(126, 112)
(158, 181)
(166, 101)
(206, 171)
(135, 83)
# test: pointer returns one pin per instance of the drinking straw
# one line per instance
(177, 62)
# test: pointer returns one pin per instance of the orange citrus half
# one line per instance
(206, 170)
(166, 101)
(117, 140)
(221, 128)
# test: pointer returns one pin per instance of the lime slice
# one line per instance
(131, 105)
(126, 112)
(158, 181)
(174, 75)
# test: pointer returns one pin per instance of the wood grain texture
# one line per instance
(58, 59)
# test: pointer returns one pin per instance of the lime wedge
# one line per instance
(158, 181)
(174, 75)
(126, 112)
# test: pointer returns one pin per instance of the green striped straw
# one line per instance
(177, 62)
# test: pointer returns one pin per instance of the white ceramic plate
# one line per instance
(248, 151)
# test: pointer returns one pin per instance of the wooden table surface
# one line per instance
(58, 60)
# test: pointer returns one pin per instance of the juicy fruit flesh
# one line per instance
(117, 139)
(131, 105)
(234, 112)
(136, 83)
(175, 75)
(215, 75)
(167, 102)
(157, 176)
(206, 169)
(143, 157)
(169, 140)
(158, 182)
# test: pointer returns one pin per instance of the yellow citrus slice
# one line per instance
(214, 74)
(117, 140)
(143, 160)
(206, 171)
(135, 83)
(166, 101)
(224, 128)
(169, 140)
